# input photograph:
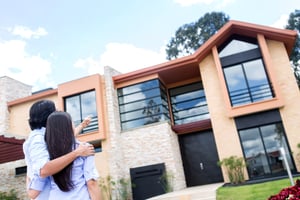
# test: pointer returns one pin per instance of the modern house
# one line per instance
(235, 96)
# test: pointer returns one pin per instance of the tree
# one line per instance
(189, 37)
(294, 24)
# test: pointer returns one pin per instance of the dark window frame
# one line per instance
(161, 111)
(183, 90)
(251, 94)
(94, 125)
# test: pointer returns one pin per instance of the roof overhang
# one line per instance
(188, 67)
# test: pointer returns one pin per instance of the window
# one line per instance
(262, 135)
(261, 147)
(188, 103)
(82, 105)
(142, 104)
(20, 170)
(244, 72)
(97, 145)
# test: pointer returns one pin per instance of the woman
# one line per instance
(79, 179)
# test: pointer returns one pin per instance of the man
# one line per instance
(36, 153)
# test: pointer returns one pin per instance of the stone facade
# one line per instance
(10, 90)
(9, 180)
(151, 144)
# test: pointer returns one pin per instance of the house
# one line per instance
(236, 95)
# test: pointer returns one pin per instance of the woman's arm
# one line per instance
(94, 190)
(56, 165)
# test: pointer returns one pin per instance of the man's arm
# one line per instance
(56, 165)
(82, 125)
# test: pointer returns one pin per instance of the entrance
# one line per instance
(200, 157)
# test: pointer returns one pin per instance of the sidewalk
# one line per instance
(204, 192)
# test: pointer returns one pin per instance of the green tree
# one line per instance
(294, 24)
(189, 37)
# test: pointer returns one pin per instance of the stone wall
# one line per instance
(147, 145)
(10, 90)
(10, 181)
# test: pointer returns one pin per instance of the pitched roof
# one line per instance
(11, 149)
(188, 65)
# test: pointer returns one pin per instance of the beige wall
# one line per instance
(224, 128)
(290, 112)
(19, 115)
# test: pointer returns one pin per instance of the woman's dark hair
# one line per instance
(39, 113)
(60, 140)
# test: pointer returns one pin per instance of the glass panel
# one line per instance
(236, 46)
(237, 85)
(255, 156)
(257, 80)
(138, 96)
(138, 87)
(73, 108)
(88, 103)
(138, 105)
(273, 138)
(189, 103)
(142, 104)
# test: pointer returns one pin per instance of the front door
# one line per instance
(200, 157)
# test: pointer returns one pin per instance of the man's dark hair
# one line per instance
(39, 113)
(60, 140)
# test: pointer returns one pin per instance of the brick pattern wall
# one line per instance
(10, 90)
(151, 144)
(10, 181)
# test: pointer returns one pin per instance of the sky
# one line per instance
(46, 43)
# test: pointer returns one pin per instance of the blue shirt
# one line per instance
(83, 170)
(36, 156)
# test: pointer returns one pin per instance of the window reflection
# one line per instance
(142, 104)
(189, 103)
(247, 82)
(82, 105)
(236, 46)
(261, 150)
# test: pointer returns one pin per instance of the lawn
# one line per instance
(259, 191)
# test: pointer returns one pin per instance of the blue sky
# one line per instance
(45, 43)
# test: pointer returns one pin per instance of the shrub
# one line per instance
(235, 168)
(119, 188)
(11, 195)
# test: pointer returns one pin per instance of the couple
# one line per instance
(58, 166)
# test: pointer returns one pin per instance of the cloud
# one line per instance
(186, 3)
(122, 57)
(16, 63)
(281, 22)
(27, 33)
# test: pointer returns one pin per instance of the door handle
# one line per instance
(201, 166)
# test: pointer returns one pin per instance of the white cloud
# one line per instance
(16, 63)
(122, 57)
(193, 2)
(281, 22)
(27, 33)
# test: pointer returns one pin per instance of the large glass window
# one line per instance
(142, 104)
(188, 103)
(261, 147)
(82, 105)
(244, 72)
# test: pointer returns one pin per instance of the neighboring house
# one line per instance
(12, 164)
(236, 95)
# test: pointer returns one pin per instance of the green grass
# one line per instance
(259, 191)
